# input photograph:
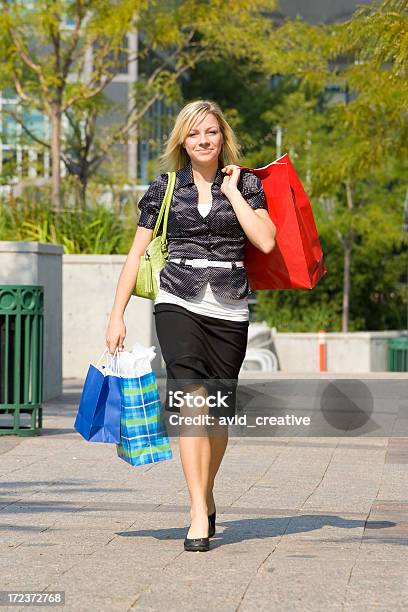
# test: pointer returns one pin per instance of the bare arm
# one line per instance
(257, 224)
(116, 330)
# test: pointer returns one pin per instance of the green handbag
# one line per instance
(156, 254)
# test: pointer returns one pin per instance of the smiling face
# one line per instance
(204, 141)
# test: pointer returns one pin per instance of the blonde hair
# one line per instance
(175, 155)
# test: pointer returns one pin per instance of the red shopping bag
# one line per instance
(296, 262)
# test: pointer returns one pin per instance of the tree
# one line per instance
(343, 145)
(66, 72)
(42, 53)
(173, 39)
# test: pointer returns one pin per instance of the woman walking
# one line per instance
(201, 311)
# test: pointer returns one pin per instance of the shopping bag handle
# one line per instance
(113, 357)
(101, 357)
(116, 355)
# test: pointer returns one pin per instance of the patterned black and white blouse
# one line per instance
(217, 236)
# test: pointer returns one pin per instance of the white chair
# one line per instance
(259, 336)
(260, 360)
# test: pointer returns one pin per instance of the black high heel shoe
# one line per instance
(211, 524)
(197, 544)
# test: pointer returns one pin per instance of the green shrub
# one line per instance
(97, 229)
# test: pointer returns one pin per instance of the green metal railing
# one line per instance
(397, 356)
(21, 359)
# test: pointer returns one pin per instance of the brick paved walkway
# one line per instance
(317, 524)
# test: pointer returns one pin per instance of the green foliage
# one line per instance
(346, 131)
(296, 312)
(379, 34)
(379, 269)
(39, 49)
(95, 230)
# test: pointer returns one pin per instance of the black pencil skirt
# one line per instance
(197, 347)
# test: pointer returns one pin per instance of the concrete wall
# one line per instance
(33, 263)
(345, 352)
(89, 286)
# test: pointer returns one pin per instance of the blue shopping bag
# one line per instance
(144, 437)
(98, 417)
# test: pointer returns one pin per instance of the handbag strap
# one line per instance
(165, 207)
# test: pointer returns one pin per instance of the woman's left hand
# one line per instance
(231, 178)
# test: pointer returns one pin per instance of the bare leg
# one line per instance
(201, 456)
(195, 454)
(218, 443)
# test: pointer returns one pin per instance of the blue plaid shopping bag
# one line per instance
(143, 435)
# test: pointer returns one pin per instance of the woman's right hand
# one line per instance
(115, 334)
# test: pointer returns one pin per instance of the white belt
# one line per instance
(204, 263)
